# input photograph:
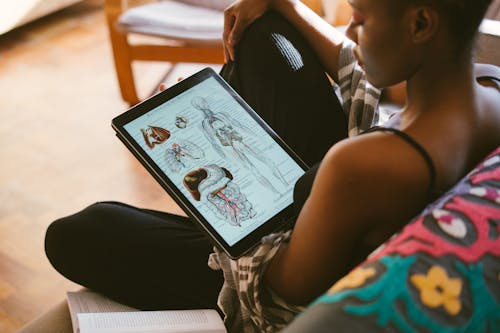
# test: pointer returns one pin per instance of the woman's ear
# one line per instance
(424, 23)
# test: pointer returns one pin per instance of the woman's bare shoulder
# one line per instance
(377, 153)
(378, 169)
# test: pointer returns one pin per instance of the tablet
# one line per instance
(224, 166)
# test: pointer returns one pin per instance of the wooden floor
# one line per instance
(58, 153)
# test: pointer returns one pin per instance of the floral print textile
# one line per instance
(441, 273)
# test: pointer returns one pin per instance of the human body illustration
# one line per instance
(214, 186)
(154, 135)
(182, 155)
(225, 132)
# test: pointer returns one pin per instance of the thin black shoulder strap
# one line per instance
(417, 146)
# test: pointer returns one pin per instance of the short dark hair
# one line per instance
(463, 17)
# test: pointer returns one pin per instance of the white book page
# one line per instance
(169, 321)
(88, 301)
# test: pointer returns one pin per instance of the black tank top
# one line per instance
(431, 190)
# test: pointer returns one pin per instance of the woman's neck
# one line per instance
(442, 84)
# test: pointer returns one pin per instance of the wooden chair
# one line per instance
(180, 42)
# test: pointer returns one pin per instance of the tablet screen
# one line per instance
(219, 156)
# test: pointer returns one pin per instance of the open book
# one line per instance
(94, 313)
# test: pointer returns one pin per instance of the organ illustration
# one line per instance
(154, 135)
(183, 154)
(214, 186)
(181, 122)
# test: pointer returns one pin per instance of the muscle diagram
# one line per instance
(214, 186)
(154, 135)
(183, 154)
(225, 133)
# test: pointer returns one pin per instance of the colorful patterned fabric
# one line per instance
(441, 273)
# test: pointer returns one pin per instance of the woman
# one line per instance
(366, 187)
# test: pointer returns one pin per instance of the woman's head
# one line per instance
(397, 37)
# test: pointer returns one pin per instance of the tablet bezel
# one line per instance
(277, 222)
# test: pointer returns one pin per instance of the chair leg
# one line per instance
(123, 61)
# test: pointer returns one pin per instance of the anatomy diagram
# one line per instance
(154, 135)
(222, 131)
(183, 154)
(181, 122)
(214, 185)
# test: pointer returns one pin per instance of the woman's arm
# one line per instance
(361, 195)
(323, 38)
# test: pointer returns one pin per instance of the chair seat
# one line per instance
(175, 20)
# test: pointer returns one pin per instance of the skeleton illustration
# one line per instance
(154, 135)
(222, 132)
(214, 185)
(182, 155)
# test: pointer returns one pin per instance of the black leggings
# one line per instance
(155, 260)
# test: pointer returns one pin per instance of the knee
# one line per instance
(57, 241)
(63, 237)
(269, 43)
(262, 27)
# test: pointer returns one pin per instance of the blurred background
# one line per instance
(58, 153)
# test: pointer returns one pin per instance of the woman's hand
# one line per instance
(237, 17)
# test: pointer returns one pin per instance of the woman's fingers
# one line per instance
(235, 36)
(237, 17)
(229, 20)
(164, 86)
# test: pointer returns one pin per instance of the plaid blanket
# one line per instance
(359, 98)
(249, 306)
